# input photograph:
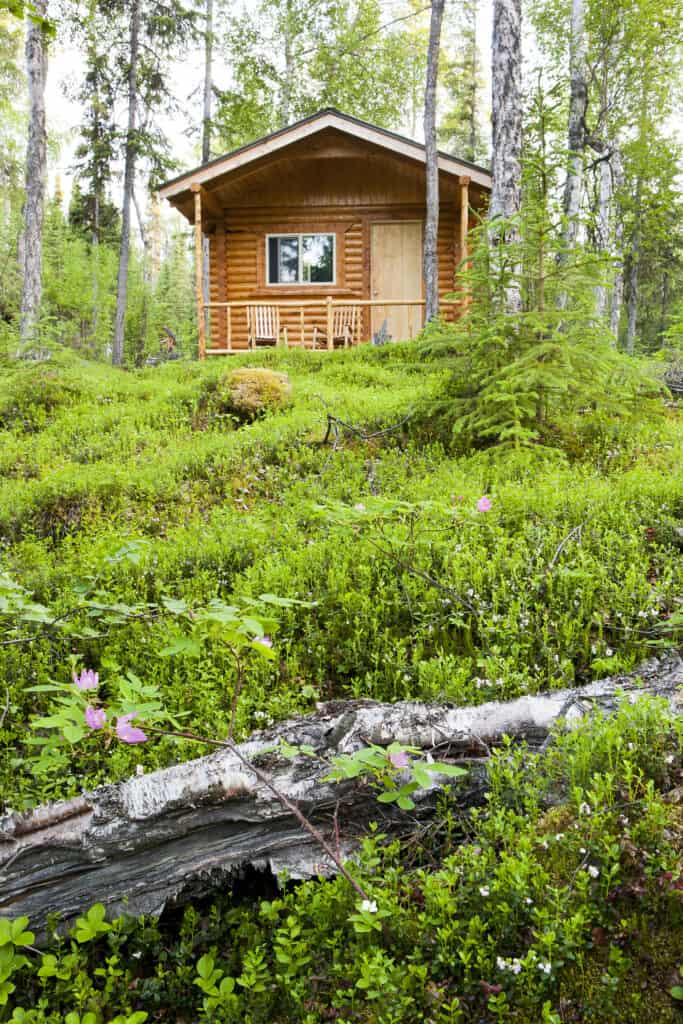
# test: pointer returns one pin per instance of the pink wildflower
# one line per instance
(360, 507)
(265, 641)
(88, 680)
(399, 759)
(484, 504)
(129, 733)
(95, 718)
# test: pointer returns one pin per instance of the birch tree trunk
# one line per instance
(128, 184)
(430, 263)
(618, 252)
(286, 94)
(473, 84)
(576, 132)
(633, 268)
(206, 150)
(603, 230)
(36, 165)
(506, 116)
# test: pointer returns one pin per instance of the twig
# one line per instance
(288, 804)
(576, 532)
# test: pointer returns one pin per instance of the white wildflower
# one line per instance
(545, 966)
(593, 871)
(584, 808)
(484, 890)
(368, 907)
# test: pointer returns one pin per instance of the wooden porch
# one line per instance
(313, 324)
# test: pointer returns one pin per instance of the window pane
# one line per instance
(272, 261)
(318, 258)
(288, 263)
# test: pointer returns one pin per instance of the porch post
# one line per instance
(330, 322)
(198, 258)
(464, 226)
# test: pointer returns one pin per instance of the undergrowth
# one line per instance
(123, 486)
(559, 900)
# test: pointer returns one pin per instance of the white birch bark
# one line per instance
(633, 274)
(576, 132)
(430, 263)
(603, 231)
(506, 115)
(128, 185)
(618, 252)
(286, 93)
(36, 167)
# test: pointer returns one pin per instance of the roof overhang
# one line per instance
(271, 144)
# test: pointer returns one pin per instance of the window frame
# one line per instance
(300, 283)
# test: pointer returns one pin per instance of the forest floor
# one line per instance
(128, 498)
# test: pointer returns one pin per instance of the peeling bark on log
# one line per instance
(179, 833)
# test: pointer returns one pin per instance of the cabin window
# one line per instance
(300, 259)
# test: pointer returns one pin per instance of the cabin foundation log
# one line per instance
(178, 833)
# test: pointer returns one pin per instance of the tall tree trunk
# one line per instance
(602, 240)
(576, 133)
(36, 165)
(206, 153)
(95, 267)
(471, 10)
(430, 263)
(633, 270)
(618, 250)
(286, 94)
(139, 352)
(128, 184)
(506, 115)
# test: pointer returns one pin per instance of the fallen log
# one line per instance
(180, 832)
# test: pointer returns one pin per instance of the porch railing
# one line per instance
(328, 304)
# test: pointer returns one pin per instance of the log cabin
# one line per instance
(315, 235)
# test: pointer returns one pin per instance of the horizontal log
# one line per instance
(175, 834)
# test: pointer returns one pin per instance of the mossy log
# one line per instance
(178, 833)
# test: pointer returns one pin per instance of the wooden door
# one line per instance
(396, 273)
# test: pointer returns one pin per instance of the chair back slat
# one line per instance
(263, 321)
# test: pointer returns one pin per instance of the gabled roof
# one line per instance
(329, 118)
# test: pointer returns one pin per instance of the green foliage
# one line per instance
(524, 380)
(290, 59)
(396, 771)
(119, 495)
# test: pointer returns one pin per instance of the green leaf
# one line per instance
(677, 992)
(446, 769)
(182, 645)
(73, 733)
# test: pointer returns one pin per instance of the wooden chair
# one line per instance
(345, 328)
(263, 326)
